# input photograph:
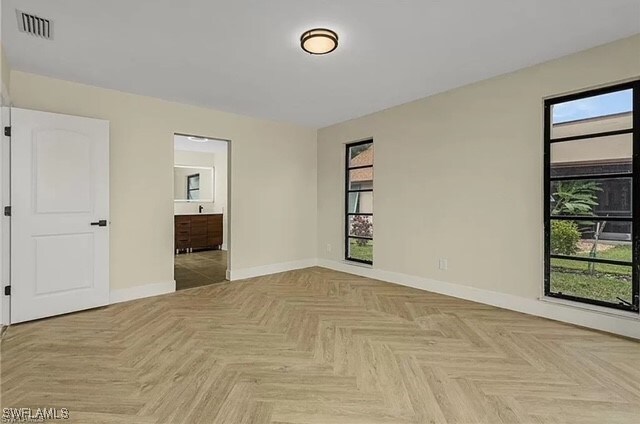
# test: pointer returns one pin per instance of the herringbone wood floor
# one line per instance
(318, 346)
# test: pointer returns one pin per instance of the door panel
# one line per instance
(71, 268)
(59, 186)
(65, 188)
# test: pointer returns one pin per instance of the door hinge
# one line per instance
(7, 131)
(7, 290)
(7, 211)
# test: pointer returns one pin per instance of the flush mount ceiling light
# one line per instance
(319, 41)
(198, 139)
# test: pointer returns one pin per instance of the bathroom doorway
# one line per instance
(201, 212)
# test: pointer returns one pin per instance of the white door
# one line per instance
(59, 214)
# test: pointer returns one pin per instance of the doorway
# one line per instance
(201, 212)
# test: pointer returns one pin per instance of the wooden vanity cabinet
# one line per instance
(198, 232)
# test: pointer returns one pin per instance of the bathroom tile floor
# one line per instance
(200, 268)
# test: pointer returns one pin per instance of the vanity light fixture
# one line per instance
(319, 41)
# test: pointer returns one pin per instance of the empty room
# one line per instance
(320, 212)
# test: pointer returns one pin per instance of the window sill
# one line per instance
(592, 308)
(355, 263)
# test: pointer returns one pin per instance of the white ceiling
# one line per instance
(183, 143)
(244, 56)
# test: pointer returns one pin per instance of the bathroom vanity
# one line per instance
(198, 232)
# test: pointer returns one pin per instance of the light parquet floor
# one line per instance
(318, 346)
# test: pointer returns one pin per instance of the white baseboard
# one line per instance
(224, 247)
(138, 292)
(625, 325)
(257, 271)
(628, 326)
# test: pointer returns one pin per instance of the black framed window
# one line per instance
(592, 196)
(359, 202)
(193, 187)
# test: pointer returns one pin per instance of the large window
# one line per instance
(592, 196)
(359, 202)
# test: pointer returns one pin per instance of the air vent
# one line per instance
(35, 25)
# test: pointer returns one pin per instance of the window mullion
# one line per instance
(602, 276)
(358, 229)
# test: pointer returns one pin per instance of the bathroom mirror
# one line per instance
(193, 184)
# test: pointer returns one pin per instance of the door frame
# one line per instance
(228, 211)
(95, 283)
(5, 221)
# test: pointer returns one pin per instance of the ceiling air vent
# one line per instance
(35, 25)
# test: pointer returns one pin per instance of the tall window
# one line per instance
(592, 196)
(359, 202)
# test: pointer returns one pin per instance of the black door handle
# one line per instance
(101, 223)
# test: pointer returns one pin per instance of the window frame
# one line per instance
(189, 189)
(635, 193)
(347, 192)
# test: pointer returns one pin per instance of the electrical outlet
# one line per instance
(442, 264)
(328, 248)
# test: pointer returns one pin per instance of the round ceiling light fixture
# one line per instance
(319, 41)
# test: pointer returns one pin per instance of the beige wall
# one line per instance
(5, 77)
(273, 177)
(459, 175)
